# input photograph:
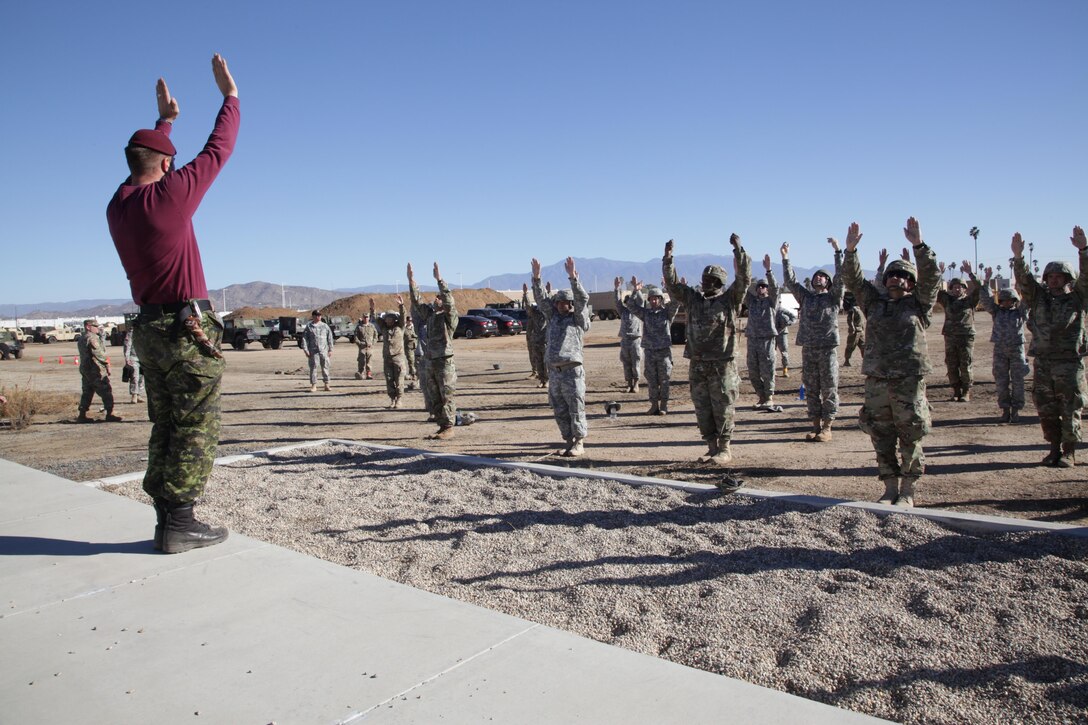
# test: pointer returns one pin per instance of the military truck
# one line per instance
(239, 332)
(603, 305)
(10, 345)
(49, 334)
(342, 326)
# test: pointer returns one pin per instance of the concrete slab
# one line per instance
(97, 628)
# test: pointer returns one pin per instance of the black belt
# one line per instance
(195, 308)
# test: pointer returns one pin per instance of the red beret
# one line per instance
(154, 140)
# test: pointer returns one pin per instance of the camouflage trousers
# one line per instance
(658, 375)
(183, 382)
(440, 376)
(423, 365)
(322, 361)
(782, 344)
(1059, 395)
(136, 382)
(631, 357)
(1010, 369)
(896, 412)
(536, 359)
(820, 376)
(567, 396)
(959, 352)
(855, 340)
(761, 366)
(393, 367)
(410, 362)
(363, 361)
(95, 382)
(714, 388)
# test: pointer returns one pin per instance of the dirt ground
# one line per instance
(973, 463)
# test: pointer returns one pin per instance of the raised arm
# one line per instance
(788, 277)
(742, 264)
(633, 305)
(449, 305)
(581, 297)
(542, 303)
(852, 277)
(772, 283)
(985, 297)
(838, 289)
(677, 290)
(929, 274)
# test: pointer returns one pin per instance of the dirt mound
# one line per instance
(356, 305)
(263, 313)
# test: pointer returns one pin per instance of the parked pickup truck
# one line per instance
(240, 332)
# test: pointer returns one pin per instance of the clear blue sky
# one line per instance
(481, 134)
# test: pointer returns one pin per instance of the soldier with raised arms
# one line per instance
(439, 375)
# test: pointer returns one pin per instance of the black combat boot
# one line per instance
(160, 521)
(183, 531)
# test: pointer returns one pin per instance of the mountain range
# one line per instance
(596, 274)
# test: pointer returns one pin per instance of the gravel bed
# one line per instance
(896, 617)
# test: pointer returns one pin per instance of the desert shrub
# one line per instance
(24, 402)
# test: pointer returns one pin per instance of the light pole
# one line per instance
(1031, 254)
(974, 235)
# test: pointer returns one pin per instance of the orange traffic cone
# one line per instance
(75, 360)
(60, 361)
(41, 358)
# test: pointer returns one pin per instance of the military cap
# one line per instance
(149, 138)
(315, 313)
(901, 265)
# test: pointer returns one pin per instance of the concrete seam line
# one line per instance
(432, 678)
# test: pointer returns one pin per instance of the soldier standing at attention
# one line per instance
(393, 360)
(440, 319)
(630, 335)
(1058, 308)
(317, 344)
(782, 321)
(366, 338)
(855, 329)
(136, 383)
(959, 304)
(895, 410)
(818, 336)
(177, 335)
(94, 368)
(410, 339)
(1010, 362)
(567, 313)
(657, 320)
(762, 301)
(713, 311)
(537, 338)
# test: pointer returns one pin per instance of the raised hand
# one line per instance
(524, 288)
(437, 274)
(411, 279)
(168, 105)
(569, 266)
(912, 232)
(834, 243)
(883, 256)
(965, 267)
(853, 238)
(536, 268)
(1078, 238)
(785, 249)
(989, 274)
(668, 248)
(400, 300)
(767, 262)
(905, 254)
(223, 78)
(941, 267)
(633, 280)
(636, 285)
(618, 282)
(1017, 245)
(734, 239)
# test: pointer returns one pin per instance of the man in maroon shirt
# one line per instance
(177, 335)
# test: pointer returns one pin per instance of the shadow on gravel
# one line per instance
(36, 546)
(1054, 509)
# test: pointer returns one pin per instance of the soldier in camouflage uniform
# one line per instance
(567, 313)
(393, 359)
(536, 337)
(1010, 363)
(440, 375)
(762, 301)
(136, 382)
(713, 312)
(630, 335)
(895, 411)
(94, 369)
(317, 343)
(656, 319)
(366, 338)
(1058, 308)
(422, 365)
(959, 304)
(818, 336)
(782, 321)
(855, 329)
(410, 338)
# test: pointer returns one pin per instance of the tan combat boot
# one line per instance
(444, 433)
(724, 456)
(816, 427)
(711, 450)
(1067, 459)
(576, 449)
(785, 371)
(824, 434)
(134, 400)
(906, 492)
(891, 491)
(327, 387)
(965, 395)
(313, 388)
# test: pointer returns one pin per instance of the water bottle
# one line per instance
(801, 392)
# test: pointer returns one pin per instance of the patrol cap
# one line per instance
(87, 323)
(149, 138)
(1058, 267)
(564, 295)
(315, 313)
(902, 266)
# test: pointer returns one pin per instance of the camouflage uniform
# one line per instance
(782, 320)
(896, 361)
(317, 343)
(366, 338)
(712, 332)
(183, 386)
(818, 336)
(422, 365)
(1060, 346)
(136, 383)
(567, 377)
(439, 375)
(393, 360)
(761, 333)
(630, 335)
(959, 336)
(410, 338)
(855, 333)
(657, 346)
(93, 370)
(1010, 363)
